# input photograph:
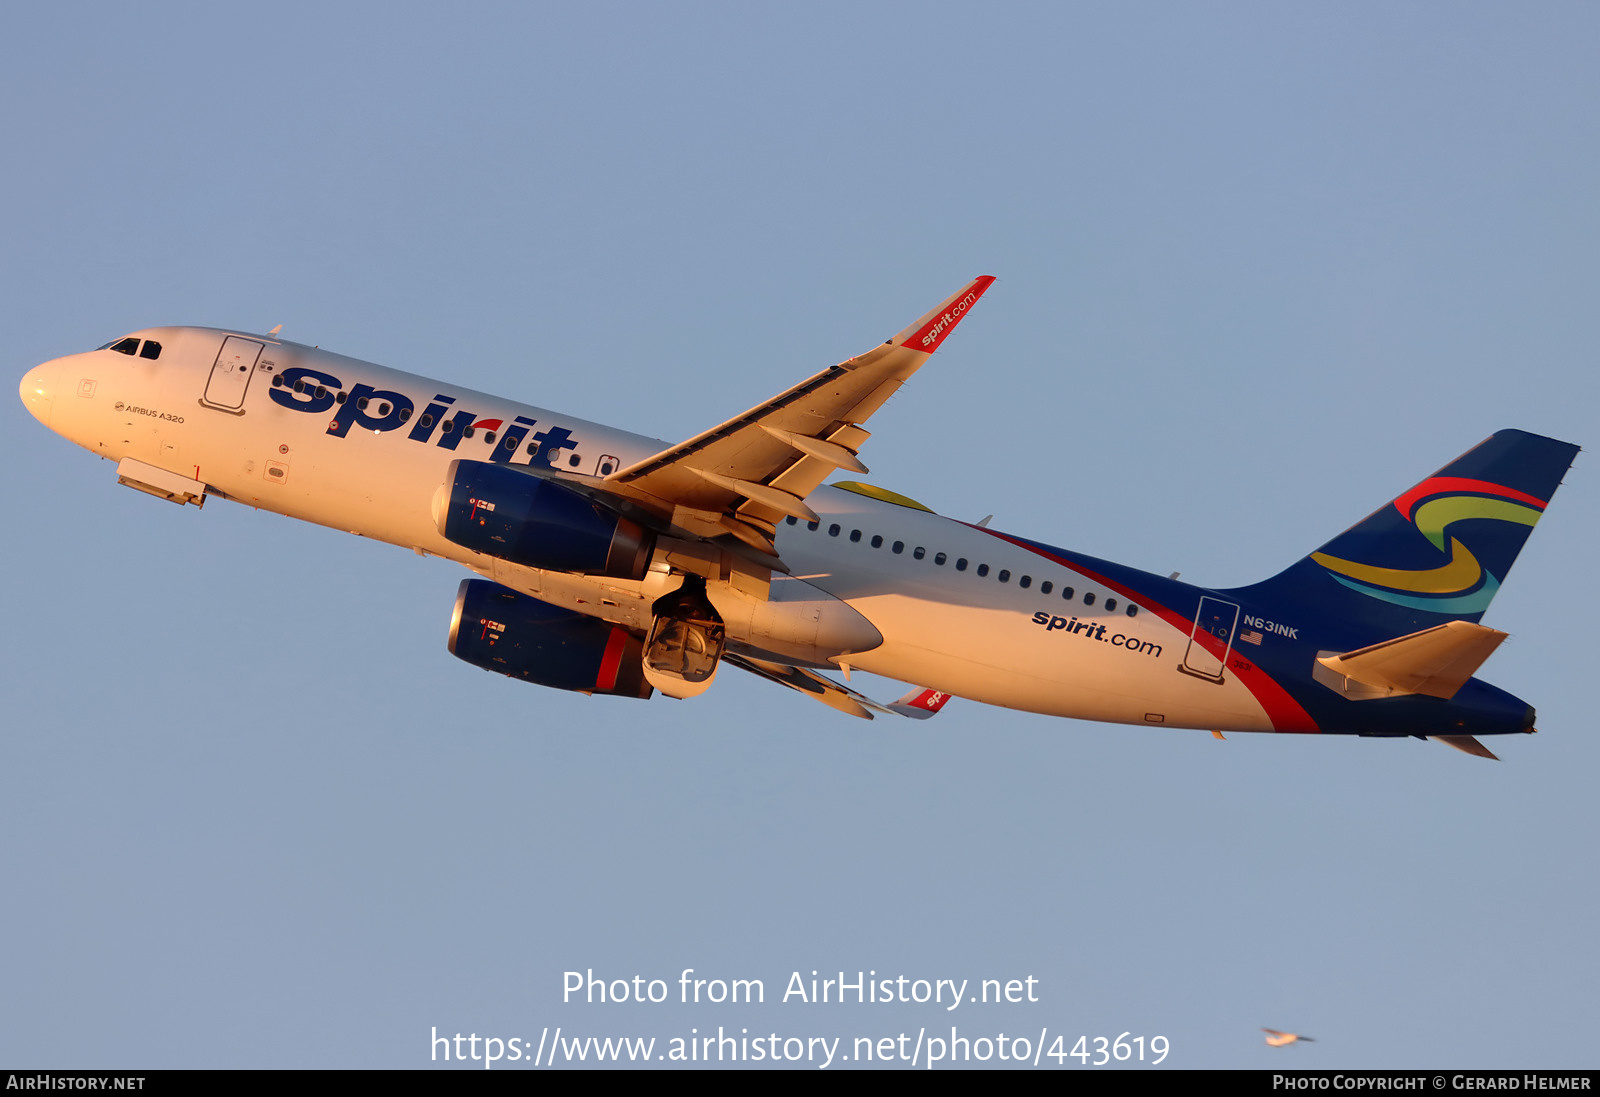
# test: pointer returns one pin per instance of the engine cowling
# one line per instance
(498, 629)
(504, 512)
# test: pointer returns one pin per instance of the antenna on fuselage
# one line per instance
(275, 330)
(984, 522)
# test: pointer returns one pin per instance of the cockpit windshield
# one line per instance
(131, 345)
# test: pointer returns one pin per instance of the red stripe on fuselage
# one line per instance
(1283, 710)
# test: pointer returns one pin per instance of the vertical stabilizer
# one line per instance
(1437, 553)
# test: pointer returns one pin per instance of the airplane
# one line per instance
(612, 563)
(1275, 1038)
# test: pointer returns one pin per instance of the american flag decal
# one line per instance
(1250, 636)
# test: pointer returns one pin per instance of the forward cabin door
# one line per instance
(230, 374)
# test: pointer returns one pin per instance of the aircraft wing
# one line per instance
(747, 474)
(919, 704)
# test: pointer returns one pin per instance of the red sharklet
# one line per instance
(930, 700)
(932, 329)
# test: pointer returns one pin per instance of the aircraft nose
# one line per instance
(38, 390)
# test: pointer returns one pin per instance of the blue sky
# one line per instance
(1261, 268)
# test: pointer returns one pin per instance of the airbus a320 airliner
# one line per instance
(616, 564)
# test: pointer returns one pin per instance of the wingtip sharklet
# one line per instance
(920, 704)
(927, 333)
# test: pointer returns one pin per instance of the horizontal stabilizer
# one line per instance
(1435, 662)
(1467, 745)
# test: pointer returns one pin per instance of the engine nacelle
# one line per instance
(498, 629)
(504, 512)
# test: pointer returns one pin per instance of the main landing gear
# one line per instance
(685, 643)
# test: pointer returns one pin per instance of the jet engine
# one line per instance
(498, 629)
(504, 512)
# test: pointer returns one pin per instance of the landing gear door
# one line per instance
(1211, 639)
(230, 374)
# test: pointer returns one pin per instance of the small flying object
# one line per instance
(1284, 1039)
(613, 563)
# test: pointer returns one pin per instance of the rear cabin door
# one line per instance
(1214, 625)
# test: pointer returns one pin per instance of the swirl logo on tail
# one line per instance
(1460, 586)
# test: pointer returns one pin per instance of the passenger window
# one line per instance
(961, 564)
(939, 558)
(1111, 605)
(833, 530)
(1066, 592)
(606, 467)
(877, 540)
(1044, 587)
(468, 433)
(1004, 576)
(405, 414)
(918, 553)
(383, 409)
(426, 421)
(450, 426)
(511, 443)
(791, 520)
(322, 391)
(812, 526)
(488, 436)
(898, 546)
(299, 386)
(361, 403)
(339, 398)
(1132, 610)
(1025, 581)
(126, 346)
(151, 350)
(1088, 598)
(277, 379)
(855, 535)
(574, 460)
(983, 569)
(533, 447)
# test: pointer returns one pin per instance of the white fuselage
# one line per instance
(886, 588)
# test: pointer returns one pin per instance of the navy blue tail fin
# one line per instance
(1437, 553)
